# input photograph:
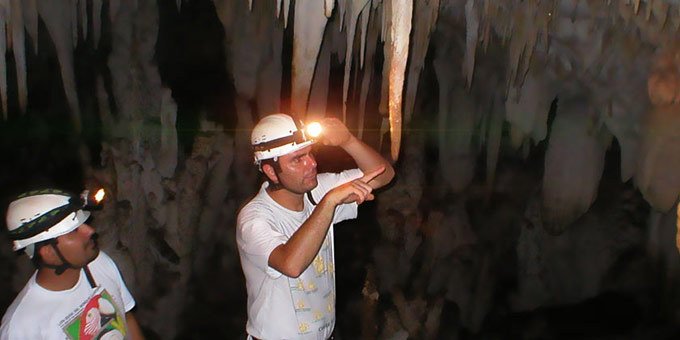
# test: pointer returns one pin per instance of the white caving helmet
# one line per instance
(277, 135)
(41, 215)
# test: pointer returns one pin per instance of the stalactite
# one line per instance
(517, 46)
(354, 10)
(659, 157)
(17, 30)
(372, 37)
(657, 174)
(386, 20)
(338, 38)
(318, 96)
(73, 7)
(624, 112)
(96, 20)
(660, 10)
(30, 11)
(456, 113)
(456, 124)
(254, 48)
(308, 32)
(82, 18)
(471, 37)
(424, 22)
(400, 29)
(623, 122)
(342, 8)
(493, 141)
(574, 162)
(365, 17)
(286, 10)
(3, 63)
(269, 76)
(663, 84)
(328, 7)
(677, 224)
(527, 108)
(57, 16)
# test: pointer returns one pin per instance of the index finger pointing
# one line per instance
(373, 174)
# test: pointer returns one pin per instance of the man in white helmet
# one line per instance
(285, 233)
(77, 291)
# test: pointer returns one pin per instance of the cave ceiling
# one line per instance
(613, 67)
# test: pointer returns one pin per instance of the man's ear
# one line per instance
(268, 170)
(47, 254)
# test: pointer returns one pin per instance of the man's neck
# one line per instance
(48, 278)
(287, 199)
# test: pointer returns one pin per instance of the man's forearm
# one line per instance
(368, 159)
(293, 257)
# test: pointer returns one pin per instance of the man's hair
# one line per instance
(277, 170)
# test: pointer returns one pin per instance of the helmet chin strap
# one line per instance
(58, 269)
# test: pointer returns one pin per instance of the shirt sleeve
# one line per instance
(257, 239)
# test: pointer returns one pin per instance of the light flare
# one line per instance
(314, 129)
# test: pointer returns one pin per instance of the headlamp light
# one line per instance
(92, 201)
(313, 130)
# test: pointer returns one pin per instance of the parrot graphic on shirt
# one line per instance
(95, 316)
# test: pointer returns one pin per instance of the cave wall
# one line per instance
(536, 146)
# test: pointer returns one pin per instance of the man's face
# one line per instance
(298, 171)
(79, 247)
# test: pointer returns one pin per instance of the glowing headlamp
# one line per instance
(92, 201)
(313, 130)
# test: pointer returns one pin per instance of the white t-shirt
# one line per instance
(280, 307)
(81, 312)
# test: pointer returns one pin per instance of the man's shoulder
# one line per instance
(28, 306)
(257, 205)
(105, 270)
(103, 259)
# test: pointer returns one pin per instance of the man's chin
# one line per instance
(314, 183)
(95, 254)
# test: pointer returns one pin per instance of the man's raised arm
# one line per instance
(337, 134)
